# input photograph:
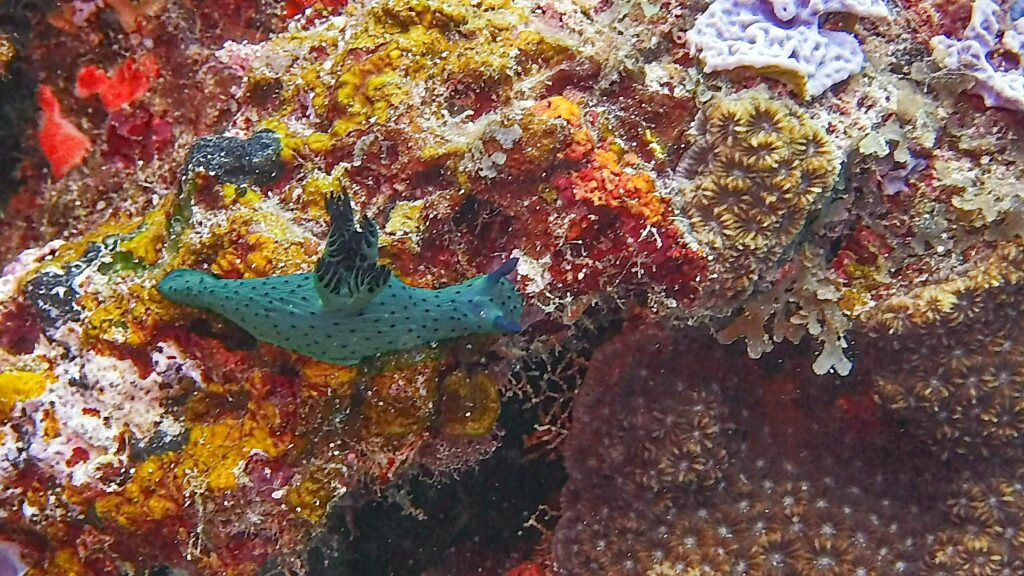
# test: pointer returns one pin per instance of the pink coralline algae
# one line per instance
(999, 81)
(783, 38)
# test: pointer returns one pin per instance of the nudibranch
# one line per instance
(350, 307)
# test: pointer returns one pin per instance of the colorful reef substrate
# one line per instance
(771, 254)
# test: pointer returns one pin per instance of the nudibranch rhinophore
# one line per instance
(350, 307)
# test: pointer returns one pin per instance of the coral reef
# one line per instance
(763, 509)
(859, 227)
(802, 301)
(63, 144)
(7, 52)
(127, 84)
(927, 20)
(172, 66)
(642, 431)
(984, 518)
(778, 505)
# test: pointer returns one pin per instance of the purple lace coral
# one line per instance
(782, 38)
(1003, 88)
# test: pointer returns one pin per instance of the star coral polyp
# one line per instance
(760, 169)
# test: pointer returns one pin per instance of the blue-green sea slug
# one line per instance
(350, 307)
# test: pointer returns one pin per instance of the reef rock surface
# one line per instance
(782, 286)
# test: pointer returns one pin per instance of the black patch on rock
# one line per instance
(53, 294)
(253, 160)
(159, 443)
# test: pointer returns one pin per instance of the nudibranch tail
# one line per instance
(188, 287)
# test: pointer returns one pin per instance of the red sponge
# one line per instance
(63, 144)
(128, 83)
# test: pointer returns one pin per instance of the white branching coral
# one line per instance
(801, 302)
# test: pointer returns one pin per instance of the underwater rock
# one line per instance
(53, 292)
(657, 212)
(240, 161)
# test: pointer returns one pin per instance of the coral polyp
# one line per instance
(762, 509)
(965, 399)
(759, 168)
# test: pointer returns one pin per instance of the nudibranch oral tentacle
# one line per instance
(350, 307)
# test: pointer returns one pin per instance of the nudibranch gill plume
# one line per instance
(350, 307)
